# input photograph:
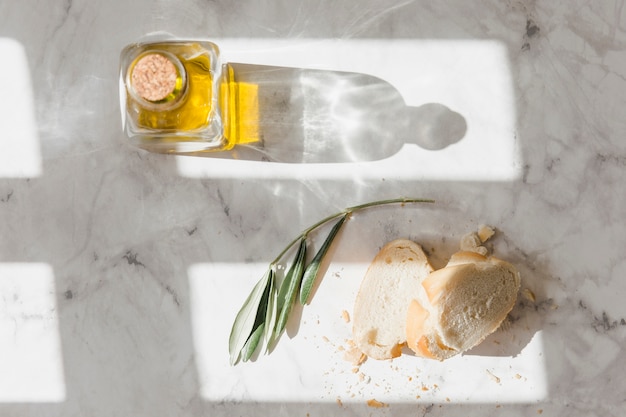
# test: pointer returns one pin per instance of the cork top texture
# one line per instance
(154, 77)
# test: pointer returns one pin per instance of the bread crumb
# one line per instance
(355, 369)
(540, 411)
(346, 316)
(325, 339)
(424, 388)
(376, 404)
(355, 356)
(339, 403)
(447, 399)
(362, 359)
(470, 242)
(518, 376)
(529, 295)
(485, 232)
(495, 378)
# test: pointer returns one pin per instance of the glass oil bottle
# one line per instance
(176, 97)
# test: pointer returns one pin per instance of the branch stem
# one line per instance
(348, 211)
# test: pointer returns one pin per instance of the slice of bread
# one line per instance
(392, 281)
(461, 304)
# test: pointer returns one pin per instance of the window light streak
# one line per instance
(21, 155)
(30, 346)
(218, 289)
(470, 77)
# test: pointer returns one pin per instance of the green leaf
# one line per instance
(252, 343)
(272, 311)
(289, 287)
(246, 319)
(310, 274)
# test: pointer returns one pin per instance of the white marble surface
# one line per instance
(121, 271)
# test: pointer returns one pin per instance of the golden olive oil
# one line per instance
(205, 108)
(240, 101)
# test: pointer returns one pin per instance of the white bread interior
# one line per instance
(390, 283)
(461, 304)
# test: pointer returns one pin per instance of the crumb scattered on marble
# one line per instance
(540, 411)
(376, 404)
(471, 243)
(529, 295)
(485, 232)
(346, 316)
(492, 376)
(355, 356)
(339, 402)
(362, 358)
(518, 376)
(364, 378)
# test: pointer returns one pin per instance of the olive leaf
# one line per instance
(252, 343)
(271, 313)
(310, 274)
(244, 324)
(289, 287)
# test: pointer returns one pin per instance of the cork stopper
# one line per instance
(154, 77)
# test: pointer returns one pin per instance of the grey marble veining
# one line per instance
(121, 270)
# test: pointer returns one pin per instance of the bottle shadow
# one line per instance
(297, 115)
